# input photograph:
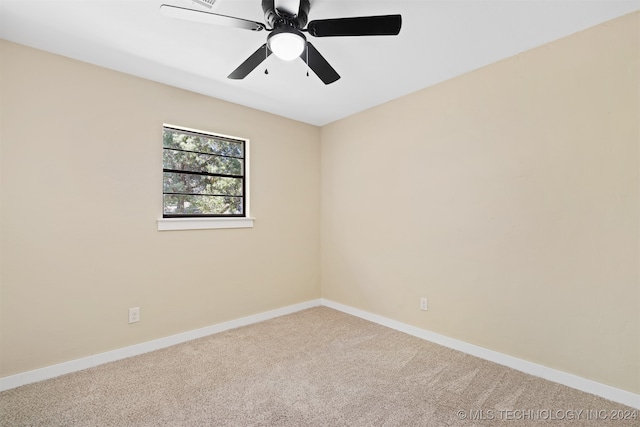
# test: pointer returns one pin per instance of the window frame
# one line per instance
(203, 222)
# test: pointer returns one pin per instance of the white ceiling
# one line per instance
(440, 39)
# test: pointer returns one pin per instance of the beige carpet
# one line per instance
(317, 367)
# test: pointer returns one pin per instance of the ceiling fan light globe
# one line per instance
(287, 45)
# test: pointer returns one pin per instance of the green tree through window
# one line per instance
(203, 174)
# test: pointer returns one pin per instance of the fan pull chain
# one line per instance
(307, 48)
(266, 55)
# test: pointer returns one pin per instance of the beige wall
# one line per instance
(81, 192)
(509, 197)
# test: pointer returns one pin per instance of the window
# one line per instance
(204, 178)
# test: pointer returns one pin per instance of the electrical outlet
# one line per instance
(423, 303)
(134, 314)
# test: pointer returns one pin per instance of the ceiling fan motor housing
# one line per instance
(277, 19)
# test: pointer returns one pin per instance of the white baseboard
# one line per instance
(47, 372)
(570, 380)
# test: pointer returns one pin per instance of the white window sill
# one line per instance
(170, 224)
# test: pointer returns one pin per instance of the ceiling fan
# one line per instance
(286, 20)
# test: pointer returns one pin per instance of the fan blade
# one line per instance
(319, 65)
(209, 18)
(386, 25)
(290, 7)
(250, 63)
